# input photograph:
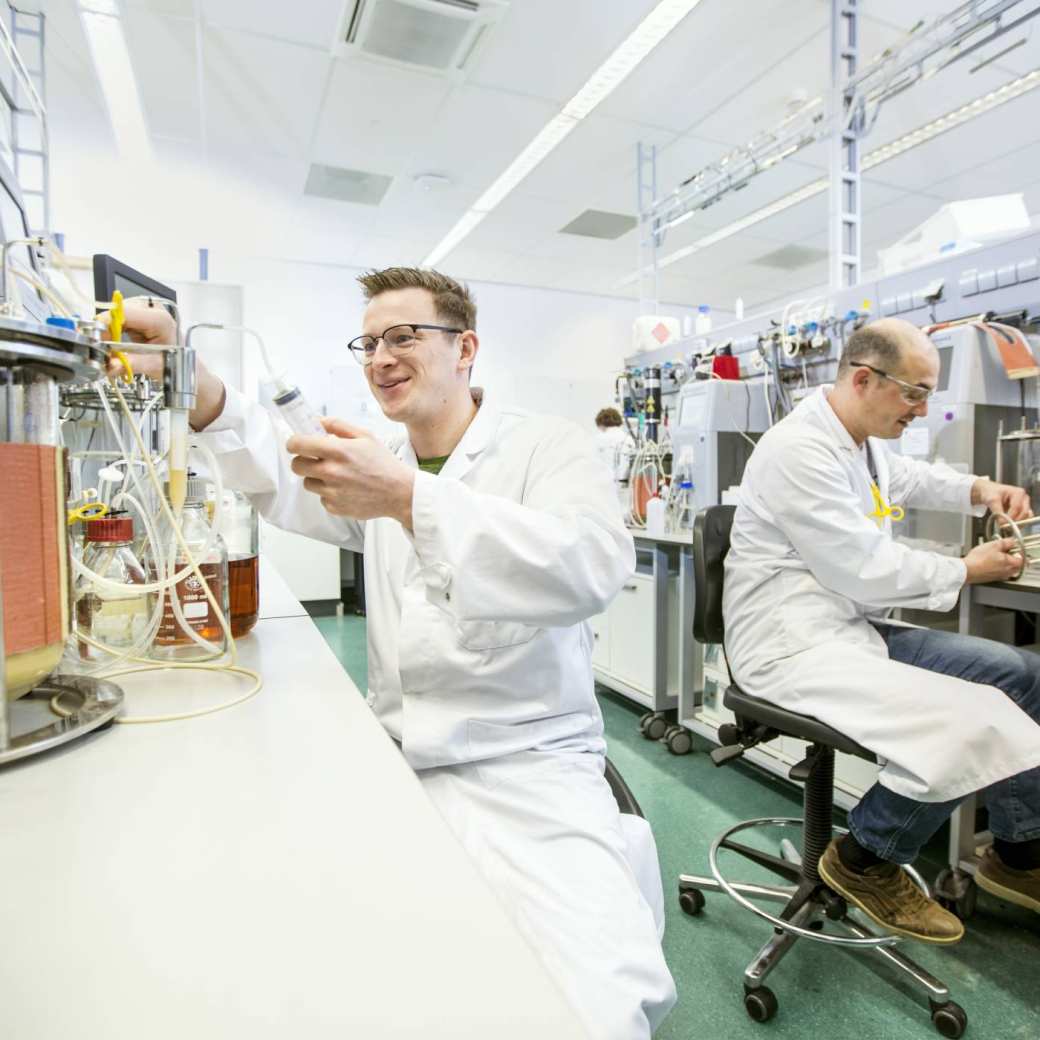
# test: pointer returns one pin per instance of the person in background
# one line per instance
(490, 537)
(812, 575)
(611, 441)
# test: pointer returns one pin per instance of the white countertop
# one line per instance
(269, 871)
(682, 538)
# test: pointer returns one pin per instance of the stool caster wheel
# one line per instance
(949, 1019)
(678, 740)
(653, 725)
(761, 1004)
(691, 901)
(956, 891)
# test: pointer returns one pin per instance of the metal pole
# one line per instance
(844, 226)
(649, 236)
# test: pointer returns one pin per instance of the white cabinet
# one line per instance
(310, 567)
(625, 647)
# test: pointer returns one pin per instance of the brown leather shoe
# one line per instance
(1021, 887)
(887, 896)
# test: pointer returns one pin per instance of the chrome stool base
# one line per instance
(808, 905)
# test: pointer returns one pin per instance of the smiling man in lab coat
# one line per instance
(811, 573)
(490, 536)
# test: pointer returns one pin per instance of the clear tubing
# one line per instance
(148, 666)
(159, 586)
(45, 290)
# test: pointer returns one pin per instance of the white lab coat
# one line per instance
(808, 567)
(479, 657)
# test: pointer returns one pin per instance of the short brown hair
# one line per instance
(607, 417)
(871, 345)
(453, 300)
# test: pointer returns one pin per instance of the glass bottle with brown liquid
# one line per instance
(240, 528)
(192, 609)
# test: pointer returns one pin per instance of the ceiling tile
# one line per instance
(167, 76)
(314, 22)
(259, 94)
(514, 58)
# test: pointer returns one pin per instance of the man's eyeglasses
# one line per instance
(399, 340)
(910, 392)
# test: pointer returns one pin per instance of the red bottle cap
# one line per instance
(111, 529)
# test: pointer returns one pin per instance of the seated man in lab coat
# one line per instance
(490, 536)
(813, 570)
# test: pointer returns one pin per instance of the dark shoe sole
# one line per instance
(1009, 895)
(888, 927)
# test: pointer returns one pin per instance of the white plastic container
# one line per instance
(702, 326)
(655, 512)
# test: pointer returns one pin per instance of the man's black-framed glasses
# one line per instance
(399, 340)
(911, 392)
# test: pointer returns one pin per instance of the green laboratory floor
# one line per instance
(993, 973)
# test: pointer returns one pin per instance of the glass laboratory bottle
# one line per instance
(110, 622)
(240, 528)
(190, 629)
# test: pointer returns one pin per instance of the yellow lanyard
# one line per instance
(883, 511)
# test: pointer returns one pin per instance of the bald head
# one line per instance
(890, 344)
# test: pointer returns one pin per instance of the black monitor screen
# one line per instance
(111, 274)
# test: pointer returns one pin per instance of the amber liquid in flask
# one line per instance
(244, 592)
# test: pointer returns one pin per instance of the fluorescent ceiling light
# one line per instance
(115, 73)
(599, 86)
(927, 132)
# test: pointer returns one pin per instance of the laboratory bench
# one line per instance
(965, 842)
(643, 645)
(267, 871)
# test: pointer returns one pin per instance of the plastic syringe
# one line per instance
(289, 399)
(294, 409)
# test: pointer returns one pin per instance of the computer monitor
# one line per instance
(13, 224)
(111, 274)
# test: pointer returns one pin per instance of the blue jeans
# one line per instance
(895, 827)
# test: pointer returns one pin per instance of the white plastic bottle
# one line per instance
(703, 323)
(655, 510)
(738, 309)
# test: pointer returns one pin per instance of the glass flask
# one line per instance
(190, 629)
(109, 622)
(240, 528)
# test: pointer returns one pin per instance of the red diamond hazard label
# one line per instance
(660, 332)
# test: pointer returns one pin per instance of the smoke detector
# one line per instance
(440, 36)
(431, 181)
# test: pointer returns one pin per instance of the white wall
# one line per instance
(550, 351)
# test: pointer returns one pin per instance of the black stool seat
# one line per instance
(791, 724)
(807, 901)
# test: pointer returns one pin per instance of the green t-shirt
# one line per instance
(433, 466)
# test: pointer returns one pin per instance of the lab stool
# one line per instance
(807, 902)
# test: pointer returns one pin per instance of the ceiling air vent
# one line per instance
(337, 182)
(598, 223)
(791, 257)
(437, 35)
